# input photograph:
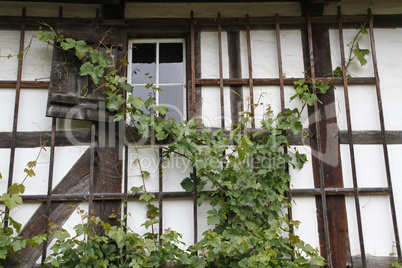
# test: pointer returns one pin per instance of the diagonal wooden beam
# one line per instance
(75, 181)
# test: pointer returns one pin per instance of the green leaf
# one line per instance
(162, 109)
(300, 159)
(363, 29)
(310, 99)
(19, 244)
(94, 55)
(161, 135)
(11, 201)
(322, 86)
(68, 44)
(187, 184)
(146, 197)
(126, 87)
(115, 102)
(81, 48)
(16, 225)
(213, 218)
(299, 82)
(103, 60)
(148, 223)
(360, 54)
(86, 69)
(338, 72)
(136, 102)
(293, 124)
(149, 102)
(29, 172)
(135, 190)
(245, 143)
(44, 36)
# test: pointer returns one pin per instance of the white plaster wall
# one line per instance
(32, 113)
(370, 165)
(4, 168)
(363, 99)
(7, 109)
(37, 59)
(210, 55)
(145, 159)
(210, 10)
(9, 45)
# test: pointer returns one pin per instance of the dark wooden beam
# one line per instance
(74, 182)
(325, 147)
(108, 172)
(236, 91)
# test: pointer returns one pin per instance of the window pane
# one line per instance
(171, 63)
(144, 94)
(143, 62)
(173, 96)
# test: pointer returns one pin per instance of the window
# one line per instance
(160, 62)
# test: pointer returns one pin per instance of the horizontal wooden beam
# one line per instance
(25, 84)
(380, 21)
(287, 81)
(82, 137)
(182, 194)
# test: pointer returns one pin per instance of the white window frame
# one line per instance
(158, 41)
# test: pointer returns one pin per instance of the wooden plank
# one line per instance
(236, 91)
(198, 89)
(38, 139)
(73, 96)
(74, 182)
(108, 172)
(25, 84)
(380, 21)
(287, 81)
(83, 137)
(330, 150)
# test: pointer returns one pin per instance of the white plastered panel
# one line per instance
(144, 159)
(32, 112)
(4, 168)
(7, 109)
(210, 55)
(37, 59)
(211, 106)
(38, 183)
(304, 210)
(174, 170)
(376, 223)
(9, 45)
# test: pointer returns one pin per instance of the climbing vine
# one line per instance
(240, 173)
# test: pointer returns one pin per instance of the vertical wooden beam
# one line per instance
(350, 136)
(236, 92)
(222, 93)
(16, 105)
(326, 155)
(108, 172)
(250, 70)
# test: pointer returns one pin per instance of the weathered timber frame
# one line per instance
(329, 190)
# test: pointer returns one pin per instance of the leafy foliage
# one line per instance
(246, 170)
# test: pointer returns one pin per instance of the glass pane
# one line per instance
(143, 93)
(171, 63)
(143, 63)
(173, 97)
